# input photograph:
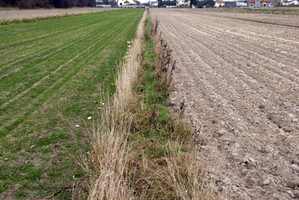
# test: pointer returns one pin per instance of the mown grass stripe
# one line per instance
(17, 53)
(48, 87)
(9, 40)
(68, 33)
(58, 37)
(40, 33)
(31, 65)
(53, 72)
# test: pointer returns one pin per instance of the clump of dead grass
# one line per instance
(139, 150)
(108, 165)
(109, 158)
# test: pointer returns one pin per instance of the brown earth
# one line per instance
(33, 13)
(237, 82)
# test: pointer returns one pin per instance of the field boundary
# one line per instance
(140, 151)
(34, 19)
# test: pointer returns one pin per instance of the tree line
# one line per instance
(198, 3)
(201, 4)
(46, 3)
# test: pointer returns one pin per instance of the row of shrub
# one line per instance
(46, 3)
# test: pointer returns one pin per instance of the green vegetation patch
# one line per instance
(52, 77)
(157, 137)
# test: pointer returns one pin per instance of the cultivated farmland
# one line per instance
(237, 82)
(52, 75)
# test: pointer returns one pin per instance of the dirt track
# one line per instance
(238, 76)
(33, 13)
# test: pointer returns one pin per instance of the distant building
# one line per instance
(262, 3)
(290, 2)
(105, 3)
(220, 3)
(124, 3)
(183, 3)
(168, 2)
(235, 3)
(230, 4)
(254, 3)
(266, 3)
(153, 3)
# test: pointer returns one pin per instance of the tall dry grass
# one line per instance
(119, 166)
(108, 165)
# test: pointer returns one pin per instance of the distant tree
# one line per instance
(160, 3)
(67, 3)
(82, 3)
(9, 3)
(45, 3)
(42, 3)
(58, 3)
(193, 2)
(113, 3)
(211, 3)
(168, 3)
(200, 5)
(106, 2)
(91, 3)
(26, 4)
(74, 2)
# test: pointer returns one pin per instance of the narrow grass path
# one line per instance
(52, 73)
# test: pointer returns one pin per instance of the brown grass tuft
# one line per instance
(108, 162)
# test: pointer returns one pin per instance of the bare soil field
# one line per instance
(33, 13)
(276, 19)
(237, 83)
(265, 10)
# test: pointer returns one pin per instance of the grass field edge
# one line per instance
(26, 20)
(150, 153)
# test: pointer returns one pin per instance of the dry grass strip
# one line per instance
(119, 166)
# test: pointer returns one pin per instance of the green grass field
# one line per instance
(52, 75)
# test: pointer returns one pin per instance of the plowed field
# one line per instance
(237, 82)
